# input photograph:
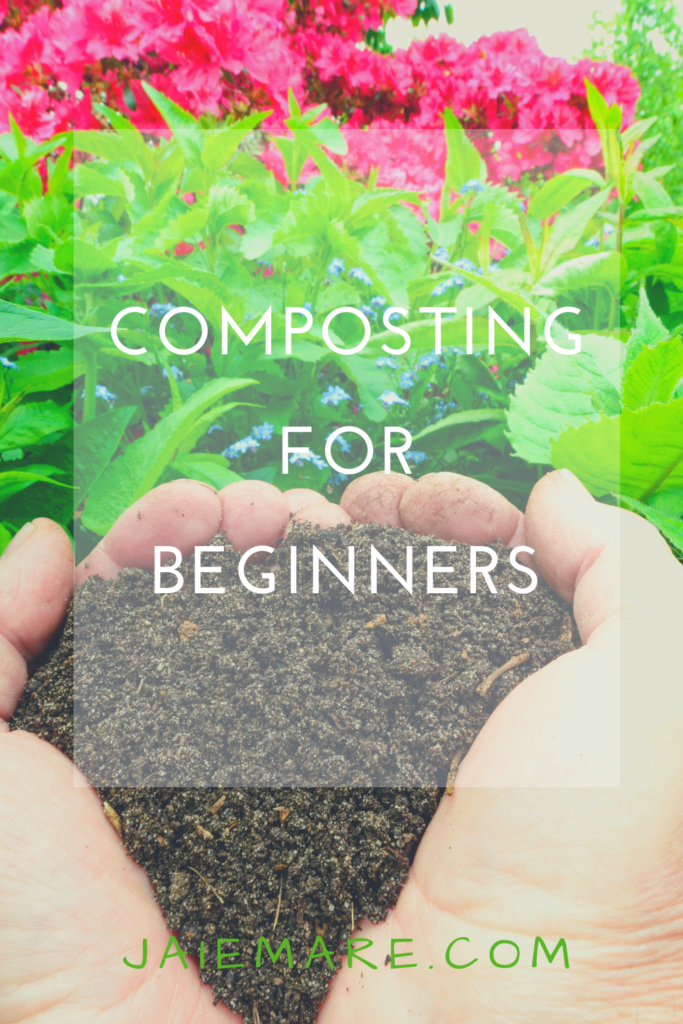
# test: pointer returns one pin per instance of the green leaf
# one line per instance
(28, 424)
(648, 331)
(138, 469)
(604, 269)
(30, 324)
(462, 427)
(555, 194)
(462, 158)
(95, 442)
(45, 371)
(568, 228)
(220, 144)
(89, 181)
(651, 192)
(668, 501)
(669, 526)
(16, 259)
(211, 469)
(653, 374)
(188, 134)
(562, 391)
(14, 480)
(635, 454)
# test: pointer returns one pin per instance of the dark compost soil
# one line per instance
(382, 692)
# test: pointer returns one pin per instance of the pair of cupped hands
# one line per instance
(566, 820)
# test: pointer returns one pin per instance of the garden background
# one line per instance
(279, 153)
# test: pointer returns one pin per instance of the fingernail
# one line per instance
(19, 538)
(572, 480)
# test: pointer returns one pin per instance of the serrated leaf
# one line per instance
(138, 469)
(462, 158)
(90, 182)
(560, 391)
(188, 134)
(32, 325)
(649, 330)
(669, 526)
(653, 375)
(95, 442)
(635, 454)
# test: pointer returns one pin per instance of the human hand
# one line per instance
(93, 900)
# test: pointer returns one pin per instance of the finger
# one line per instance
(36, 583)
(183, 513)
(454, 507)
(325, 516)
(299, 497)
(579, 545)
(253, 513)
(376, 498)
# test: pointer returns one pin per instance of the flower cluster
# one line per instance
(261, 432)
(231, 56)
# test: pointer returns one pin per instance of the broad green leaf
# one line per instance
(45, 371)
(32, 325)
(604, 269)
(461, 427)
(14, 480)
(561, 391)
(518, 300)
(133, 474)
(635, 454)
(28, 424)
(669, 501)
(211, 469)
(94, 445)
(220, 144)
(555, 194)
(648, 331)
(651, 192)
(90, 181)
(653, 374)
(669, 526)
(100, 143)
(660, 213)
(16, 259)
(462, 158)
(131, 139)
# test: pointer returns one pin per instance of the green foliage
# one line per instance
(196, 220)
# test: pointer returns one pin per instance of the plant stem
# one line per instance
(90, 404)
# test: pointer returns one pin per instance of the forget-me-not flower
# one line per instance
(391, 398)
(334, 395)
(386, 362)
(7, 364)
(336, 267)
(360, 275)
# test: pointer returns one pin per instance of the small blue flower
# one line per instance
(369, 312)
(416, 457)
(263, 432)
(407, 379)
(264, 263)
(121, 278)
(393, 317)
(391, 398)
(7, 364)
(246, 444)
(160, 309)
(608, 229)
(493, 267)
(445, 286)
(440, 253)
(101, 391)
(177, 374)
(593, 242)
(214, 428)
(431, 359)
(336, 267)
(341, 441)
(360, 275)
(473, 185)
(377, 301)
(146, 389)
(388, 362)
(334, 395)
(465, 264)
(307, 306)
(298, 459)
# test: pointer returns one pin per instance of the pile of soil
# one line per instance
(410, 679)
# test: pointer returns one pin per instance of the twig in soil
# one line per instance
(257, 1019)
(484, 687)
(453, 771)
(399, 857)
(279, 904)
(207, 884)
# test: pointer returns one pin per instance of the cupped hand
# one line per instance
(543, 835)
